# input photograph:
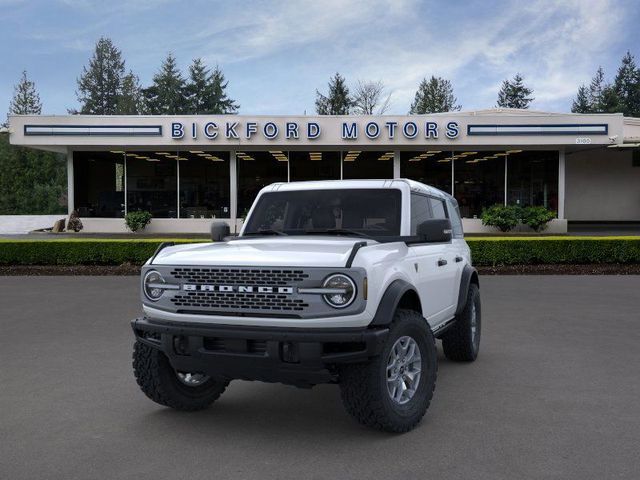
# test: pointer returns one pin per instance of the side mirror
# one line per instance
(435, 230)
(219, 230)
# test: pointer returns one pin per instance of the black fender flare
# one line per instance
(469, 275)
(389, 302)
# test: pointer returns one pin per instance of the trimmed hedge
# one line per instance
(80, 251)
(488, 251)
(493, 251)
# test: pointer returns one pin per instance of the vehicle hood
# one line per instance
(307, 251)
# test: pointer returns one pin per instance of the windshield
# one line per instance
(358, 212)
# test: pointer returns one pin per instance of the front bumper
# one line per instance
(301, 357)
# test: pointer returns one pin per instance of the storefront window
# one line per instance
(317, 165)
(257, 170)
(204, 184)
(99, 184)
(431, 167)
(367, 165)
(152, 183)
(532, 178)
(479, 180)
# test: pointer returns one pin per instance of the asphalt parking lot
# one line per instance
(555, 393)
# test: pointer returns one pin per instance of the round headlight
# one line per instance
(152, 285)
(343, 290)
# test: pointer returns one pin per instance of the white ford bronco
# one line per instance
(346, 282)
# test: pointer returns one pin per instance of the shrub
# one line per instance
(137, 220)
(485, 251)
(74, 223)
(503, 217)
(554, 250)
(537, 217)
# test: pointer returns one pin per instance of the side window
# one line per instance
(420, 211)
(437, 206)
(454, 215)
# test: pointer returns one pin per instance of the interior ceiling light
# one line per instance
(141, 157)
(444, 160)
(131, 154)
(117, 151)
(196, 151)
(434, 151)
(152, 160)
(172, 156)
(500, 154)
(514, 151)
(162, 153)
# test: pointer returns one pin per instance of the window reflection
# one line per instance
(367, 165)
(152, 183)
(431, 167)
(479, 180)
(257, 170)
(99, 184)
(532, 178)
(204, 184)
(316, 165)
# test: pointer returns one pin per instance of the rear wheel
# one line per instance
(393, 391)
(162, 384)
(461, 342)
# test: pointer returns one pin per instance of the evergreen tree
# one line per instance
(581, 104)
(26, 100)
(206, 92)
(596, 88)
(130, 101)
(222, 103)
(166, 96)
(434, 95)
(627, 86)
(337, 101)
(100, 84)
(514, 93)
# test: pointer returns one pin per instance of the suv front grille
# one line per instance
(238, 276)
(239, 301)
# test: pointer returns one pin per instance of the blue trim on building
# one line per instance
(156, 133)
(577, 131)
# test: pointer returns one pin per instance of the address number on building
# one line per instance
(583, 141)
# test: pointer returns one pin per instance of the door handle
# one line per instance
(459, 259)
(442, 262)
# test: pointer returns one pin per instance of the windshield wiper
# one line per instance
(266, 231)
(336, 231)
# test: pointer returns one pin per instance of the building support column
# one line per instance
(70, 193)
(506, 184)
(561, 183)
(396, 164)
(233, 190)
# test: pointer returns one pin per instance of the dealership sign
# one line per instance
(348, 130)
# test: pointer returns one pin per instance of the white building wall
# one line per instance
(602, 185)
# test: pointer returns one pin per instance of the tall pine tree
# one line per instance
(514, 93)
(581, 104)
(206, 91)
(167, 95)
(627, 86)
(337, 101)
(434, 95)
(130, 101)
(100, 83)
(26, 100)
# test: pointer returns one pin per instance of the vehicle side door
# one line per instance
(430, 266)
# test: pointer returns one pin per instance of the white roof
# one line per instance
(354, 184)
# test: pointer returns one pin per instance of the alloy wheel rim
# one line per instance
(404, 369)
(192, 379)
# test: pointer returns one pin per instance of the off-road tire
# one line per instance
(158, 380)
(364, 385)
(459, 343)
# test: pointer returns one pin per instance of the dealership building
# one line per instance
(188, 170)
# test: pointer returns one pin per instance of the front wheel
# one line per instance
(393, 391)
(179, 390)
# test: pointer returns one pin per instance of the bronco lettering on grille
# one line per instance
(237, 289)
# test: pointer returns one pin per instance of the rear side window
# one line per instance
(420, 211)
(454, 215)
(437, 207)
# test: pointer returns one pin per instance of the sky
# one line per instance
(275, 54)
